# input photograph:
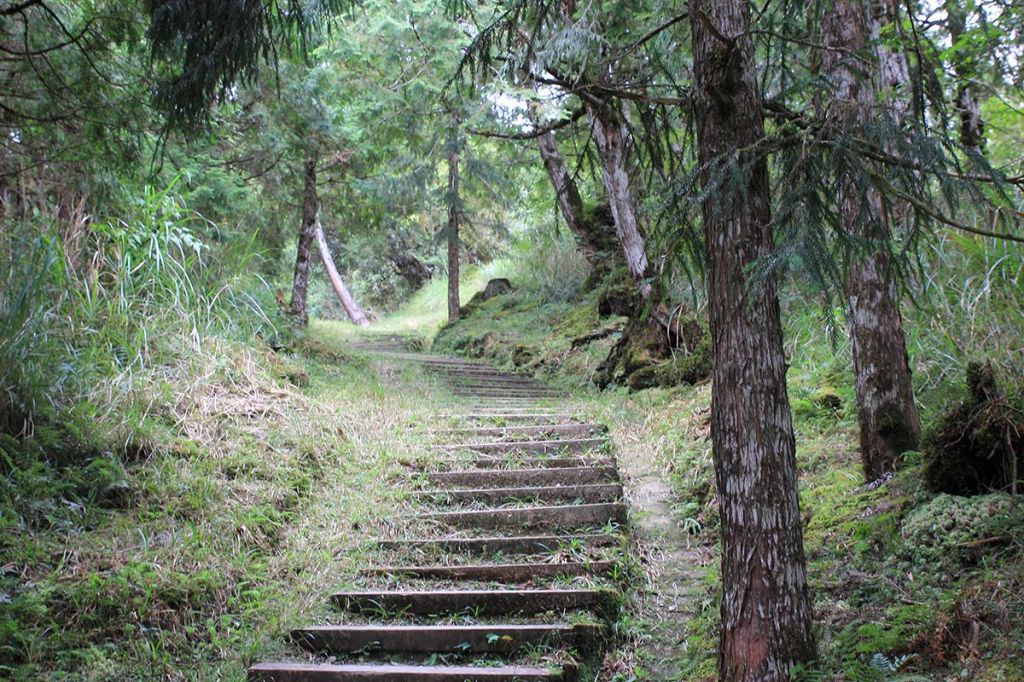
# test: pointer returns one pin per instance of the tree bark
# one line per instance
(972, 126)
(352, 309)
(612, 139)
(300, 281)
(766, 608)
(886, 412)
(453, 234)
(593, 240)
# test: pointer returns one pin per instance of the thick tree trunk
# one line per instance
(888, 417)
(612, 139)
(352, 309)
(972, 126)
(593, 239)
(766, 609)
(300, 281)
(453, 235)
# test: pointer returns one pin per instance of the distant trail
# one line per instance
(512, 570)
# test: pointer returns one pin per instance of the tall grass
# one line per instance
(135, 292)
(971, 307)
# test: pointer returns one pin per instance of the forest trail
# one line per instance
(512, 567)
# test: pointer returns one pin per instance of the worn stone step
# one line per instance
(505, 478)
(500, 573)
(478, 602)
(503, 393)
(526, 417)
(496, 638)
(506, 544)
(386, 672)
(597, 492)
(569, 516)
(491, 377)
(536, 447)
(511, 462)
(549, 430)
(490, 385)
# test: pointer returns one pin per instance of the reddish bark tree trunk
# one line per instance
(300, 281)
(453, 235)
(888, 417)
(352, 309)
(766, 609)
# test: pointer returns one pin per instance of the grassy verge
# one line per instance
(260, 476)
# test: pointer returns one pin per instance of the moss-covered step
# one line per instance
(505, 544)
(386, 672)
(503, 478)
(564, 517)
(499, 573)
(503, 602)
(596, 492)
(495, 638)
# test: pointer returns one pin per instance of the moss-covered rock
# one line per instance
(688, 368)
(950, 531)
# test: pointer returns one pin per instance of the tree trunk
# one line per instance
(766, 608)
(453, 234)
(611, 137)
(972, 127)
(355, 313)
(593, 240)
(887, 415)
(300, 281)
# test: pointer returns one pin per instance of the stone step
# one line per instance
(500, 573)
(478, 602)
(527, 417)
(536, 447)
(565, 517)
(428, 639)
(598, 492)
(577, 430)
(505, 478)
(386, 672)
(539, 462)
(503, 393)
(506, 544)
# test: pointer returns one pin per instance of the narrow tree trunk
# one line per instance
(453, 234)
(352, 309)
(888, 417)
(590, 237)
(612, 138)
(972, 126)
(300, 281)
(766, 609)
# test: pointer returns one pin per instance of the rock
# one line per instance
(496, 287)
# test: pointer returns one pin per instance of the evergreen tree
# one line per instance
(766, 607)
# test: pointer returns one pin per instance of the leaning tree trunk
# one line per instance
(352, 309)
(888, 417)
(453, 234)
(611, 136)
(591, 236)
(300, 281)
(766, 609)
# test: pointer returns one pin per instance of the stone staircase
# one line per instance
(511, 568)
